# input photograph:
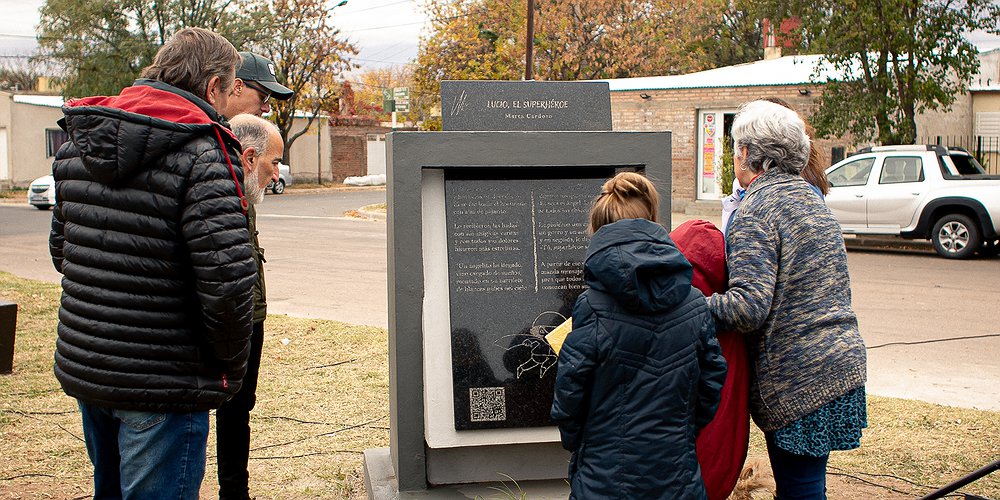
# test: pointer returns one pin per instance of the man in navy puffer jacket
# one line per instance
(641, 371)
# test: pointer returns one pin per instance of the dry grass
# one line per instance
(909, 449)
(17, 192)
(377, 207)
(927, 444)
(323, 399)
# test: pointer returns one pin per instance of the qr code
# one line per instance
(487, 404)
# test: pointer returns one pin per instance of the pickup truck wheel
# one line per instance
(955, 236)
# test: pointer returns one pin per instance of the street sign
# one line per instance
(401, 97)
(387, 101)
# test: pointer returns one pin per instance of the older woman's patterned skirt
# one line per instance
(834, 426)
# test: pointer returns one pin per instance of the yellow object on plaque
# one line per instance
(557, 336)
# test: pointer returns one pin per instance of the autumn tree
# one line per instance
(583, 39)
(310, 56)
(370, 85)
(591, 39)
(896, 59)
(470, 40)
(104, 44)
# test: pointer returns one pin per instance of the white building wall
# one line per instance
(305, 160)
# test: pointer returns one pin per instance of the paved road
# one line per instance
(322, 264)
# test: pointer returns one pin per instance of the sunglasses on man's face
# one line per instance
(256, 86)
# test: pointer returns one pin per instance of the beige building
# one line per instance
(972, 113)
(985, 95)
(309, 158)
(30, 137)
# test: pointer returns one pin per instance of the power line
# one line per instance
(373, 28)
(382, 61)
(387, 48)
(398, 52)
(375, 7)
(449, 18)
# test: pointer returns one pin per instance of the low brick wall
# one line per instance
(349, 140)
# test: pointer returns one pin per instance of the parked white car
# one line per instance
(918, 192)
(284, 179)
(42, 193)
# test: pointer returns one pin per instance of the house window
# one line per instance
(54, 138)
(987, 132)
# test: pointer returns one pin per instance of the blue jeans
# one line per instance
(796, 477)
(141, 455)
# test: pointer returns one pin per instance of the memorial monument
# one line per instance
(486, 237)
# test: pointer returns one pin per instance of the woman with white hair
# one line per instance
(789, 292)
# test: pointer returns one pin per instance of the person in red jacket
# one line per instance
(722, 444)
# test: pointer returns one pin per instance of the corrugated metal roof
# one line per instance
(55, 101)
(51, 101)
(788, 70)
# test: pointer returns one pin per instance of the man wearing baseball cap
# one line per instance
(256, 84)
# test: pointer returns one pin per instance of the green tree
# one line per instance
(897, 58)
(104, 44)
(727, 173)
(734, 33)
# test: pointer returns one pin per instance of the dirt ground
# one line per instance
(757, 483)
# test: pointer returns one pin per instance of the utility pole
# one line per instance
(319, 134)
(319, 147)
(529, 44)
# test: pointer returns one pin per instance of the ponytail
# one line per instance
(628, 195)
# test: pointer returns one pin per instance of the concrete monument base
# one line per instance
(380, 482)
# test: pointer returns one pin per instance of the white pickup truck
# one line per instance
(918, 192)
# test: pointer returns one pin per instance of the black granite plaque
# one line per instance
(515, 253)
(529, 106)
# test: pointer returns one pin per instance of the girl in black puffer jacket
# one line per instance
(642, 370)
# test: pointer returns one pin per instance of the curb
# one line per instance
(887, 243)
(373, 215)
(340, 187)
